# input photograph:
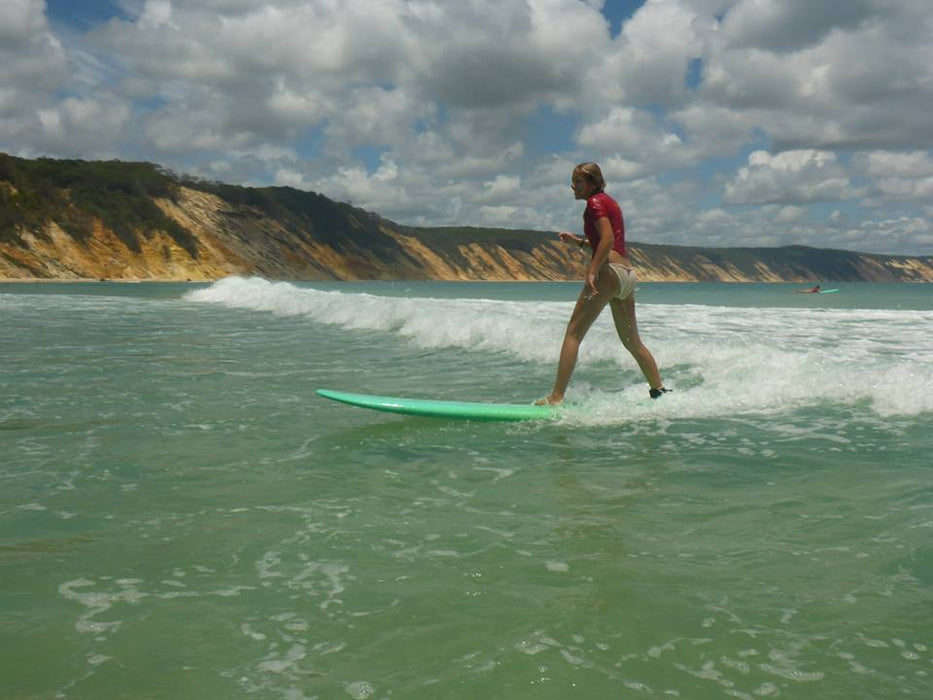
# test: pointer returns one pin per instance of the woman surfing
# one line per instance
(610, 279)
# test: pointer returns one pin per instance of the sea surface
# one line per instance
(182, 517)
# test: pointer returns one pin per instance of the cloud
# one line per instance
(378, 117)
(653, 52)
(896, 176)
(507, 54)
(289, 178)
(915, 189)
(503, 189)
(34, 66)
(157, 13)
(636, 137)
(894, 164)
(786, 25)
(90, 124)
(21, 21)
(864, 77)
(790, 177)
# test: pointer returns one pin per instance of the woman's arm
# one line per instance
(573, 238)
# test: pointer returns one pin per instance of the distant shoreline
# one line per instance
(88, 280)
(163, 280)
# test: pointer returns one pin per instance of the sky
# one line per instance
(716, 122)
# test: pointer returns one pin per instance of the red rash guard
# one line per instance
(602, 206)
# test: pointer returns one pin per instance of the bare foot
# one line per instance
(548, 401)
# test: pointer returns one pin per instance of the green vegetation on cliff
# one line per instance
(72, 193)
(309, 216)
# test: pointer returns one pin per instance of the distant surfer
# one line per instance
(813, 290)
(610, 279)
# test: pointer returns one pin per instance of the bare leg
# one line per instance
(584, 313)
(623, 314)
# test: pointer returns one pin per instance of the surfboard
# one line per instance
(463, 410)
(828, 291)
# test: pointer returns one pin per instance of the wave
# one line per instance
(723, 360)
(519, 328)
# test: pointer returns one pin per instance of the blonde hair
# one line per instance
(592, 173)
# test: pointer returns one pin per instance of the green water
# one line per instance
(182, 517)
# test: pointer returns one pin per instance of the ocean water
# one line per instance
(181, 517)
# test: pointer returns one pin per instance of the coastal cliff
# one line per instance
(67, 220)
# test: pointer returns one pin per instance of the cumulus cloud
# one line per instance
(94, 123)
(862, 77)
(21, 21)
(785, 25)
(157, 13)
(636, 137)
(653, 52)
(894, 164)
(504, 188)
(905, 177)
(792, 176)
(34, 65)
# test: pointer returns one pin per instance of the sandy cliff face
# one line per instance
(242, 238)
(56, 255)
(479, 261)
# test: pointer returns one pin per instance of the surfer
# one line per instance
(813, 290)
(610, 279)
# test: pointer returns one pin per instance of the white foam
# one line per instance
(359, 690)
(520, 328)
(721, 360)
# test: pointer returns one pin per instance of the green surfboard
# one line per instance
(463, 410)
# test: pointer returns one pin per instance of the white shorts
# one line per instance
(626, 277)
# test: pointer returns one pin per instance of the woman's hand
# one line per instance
(571, 238)
(591, 285)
